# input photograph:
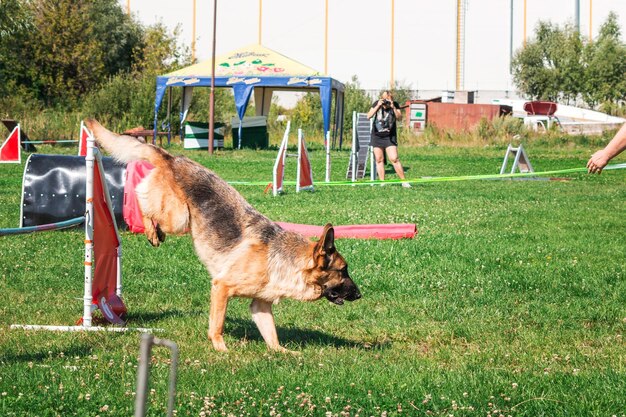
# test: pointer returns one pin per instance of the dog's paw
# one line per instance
(153, 239)
(219, 345)
(281, 349)
(160, 234)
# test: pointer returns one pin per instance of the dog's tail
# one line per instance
(121, 147)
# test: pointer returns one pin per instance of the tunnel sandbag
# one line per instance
(53, 189)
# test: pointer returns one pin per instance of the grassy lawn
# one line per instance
(510, 301)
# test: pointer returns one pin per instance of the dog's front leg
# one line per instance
(219, 302)
(264, 319)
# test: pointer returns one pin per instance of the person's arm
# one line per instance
(374, 109)
(396, 110)
(600, 159)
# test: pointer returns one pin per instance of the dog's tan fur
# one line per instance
(246, 254)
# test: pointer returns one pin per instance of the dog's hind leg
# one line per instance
(264, 319)
(217, 315)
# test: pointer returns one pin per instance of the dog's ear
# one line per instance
(326, 245)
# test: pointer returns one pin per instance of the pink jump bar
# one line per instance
(359, 231)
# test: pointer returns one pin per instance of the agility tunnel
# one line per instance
(53, 189)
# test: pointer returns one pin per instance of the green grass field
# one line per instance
(510, 301)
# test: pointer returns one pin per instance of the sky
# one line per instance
(359, 34)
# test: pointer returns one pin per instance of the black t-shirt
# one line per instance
(384, 122)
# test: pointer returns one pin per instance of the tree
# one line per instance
(354, 99)
(65, 58)
(558, 66)
(128, 97)
(550, 66)
(160, 51)
(307, 114)
(15, 27)
(118, 34)
(58, 50)
(605, 81)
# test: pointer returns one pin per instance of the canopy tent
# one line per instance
(259, 69)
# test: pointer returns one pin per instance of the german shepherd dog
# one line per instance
(246, 254)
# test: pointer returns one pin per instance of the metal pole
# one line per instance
(524, 23)
(193, 34)
(590, 20)
(260, 19)
(326, 40)
(212, 98)
(459, 44)
(393, 6)
(577, 14)
(511, 38)
(143, 373)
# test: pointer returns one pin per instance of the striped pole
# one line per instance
(89, 212)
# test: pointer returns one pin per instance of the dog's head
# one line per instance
(332, 270)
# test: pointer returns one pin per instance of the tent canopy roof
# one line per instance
(253, 66)
(251, 60)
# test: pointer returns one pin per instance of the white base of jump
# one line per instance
(83, 328)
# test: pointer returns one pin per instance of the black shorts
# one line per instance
(385, 142)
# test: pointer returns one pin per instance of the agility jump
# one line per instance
(10, 151)
(304, 175)
(103, 252)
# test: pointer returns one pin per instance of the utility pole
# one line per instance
(393, 32)
(511, 38)
(577, 14)
(212, 98)
(590, 20)
(460, 45)
(326, 39)
(193, 34)
(524, 23)
(260, 19)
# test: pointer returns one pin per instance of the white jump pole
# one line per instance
(283, 144)
(372, 159)
(89, 214)
(354, 147)
(298, 166)
(328, 156)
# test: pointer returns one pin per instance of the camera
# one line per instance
(386, 103)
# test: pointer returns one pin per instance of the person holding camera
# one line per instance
(384, 134)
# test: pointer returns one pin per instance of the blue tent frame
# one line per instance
(243, 86)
